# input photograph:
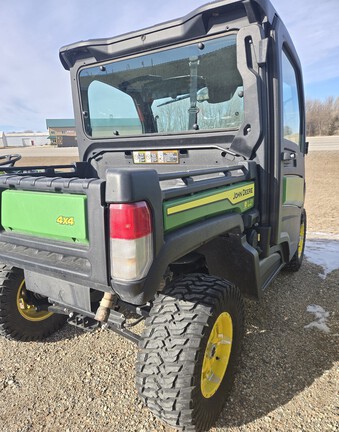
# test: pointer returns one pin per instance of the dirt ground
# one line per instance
(322, 191)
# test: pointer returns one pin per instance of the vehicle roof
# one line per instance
(188, 27)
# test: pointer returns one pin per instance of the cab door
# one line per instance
(292, 147)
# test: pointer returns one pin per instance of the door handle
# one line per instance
(288, 156)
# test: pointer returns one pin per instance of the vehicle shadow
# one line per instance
(66, 332)
(280, 357)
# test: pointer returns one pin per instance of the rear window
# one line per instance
(187, 88)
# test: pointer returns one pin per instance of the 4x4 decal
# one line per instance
(63, 220)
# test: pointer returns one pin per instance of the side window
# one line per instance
(291, 107)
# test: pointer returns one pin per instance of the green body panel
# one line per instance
(183, 211)
(293, 193)
(43, 214)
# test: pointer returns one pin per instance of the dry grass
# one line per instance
(42, 161)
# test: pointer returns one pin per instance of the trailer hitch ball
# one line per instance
(106, 304)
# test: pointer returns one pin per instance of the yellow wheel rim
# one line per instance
(217, 355)
(301, 239)
(28, 310)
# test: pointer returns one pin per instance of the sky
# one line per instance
(34, 86)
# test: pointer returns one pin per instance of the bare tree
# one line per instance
(173, 116)
(322, 117)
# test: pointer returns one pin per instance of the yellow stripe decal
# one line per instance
(234, 196)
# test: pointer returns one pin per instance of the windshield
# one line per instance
(193, 87)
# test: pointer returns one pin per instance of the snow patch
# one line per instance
(324, 253)
(321, 316)
(317, 234)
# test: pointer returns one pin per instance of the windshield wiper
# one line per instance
(177, 99)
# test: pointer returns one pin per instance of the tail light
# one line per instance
(131, 240)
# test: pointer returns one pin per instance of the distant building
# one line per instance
(23, 139)
(62, 132)
(3, 142)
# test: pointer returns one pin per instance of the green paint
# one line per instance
(293, 192)
(43, 214)
(238, 198)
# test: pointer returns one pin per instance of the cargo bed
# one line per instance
(53, 220)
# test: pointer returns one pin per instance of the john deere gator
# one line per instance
(189, 195)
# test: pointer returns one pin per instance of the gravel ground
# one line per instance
(287, 381)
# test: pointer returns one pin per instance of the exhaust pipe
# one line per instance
(106, 304)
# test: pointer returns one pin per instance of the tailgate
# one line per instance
(54, 226)
(44, 214)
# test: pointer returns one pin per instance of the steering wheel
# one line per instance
(9, 160)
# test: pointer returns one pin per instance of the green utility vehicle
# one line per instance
(189, 194)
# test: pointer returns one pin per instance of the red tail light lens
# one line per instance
(130, 221)
(131, 241)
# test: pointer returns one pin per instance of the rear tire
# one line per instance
(295, 263)
(19, 319)
(190, 350)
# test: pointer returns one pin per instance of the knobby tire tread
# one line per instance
(172, 338)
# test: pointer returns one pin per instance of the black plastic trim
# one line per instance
(197, 23)
(176, 245)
